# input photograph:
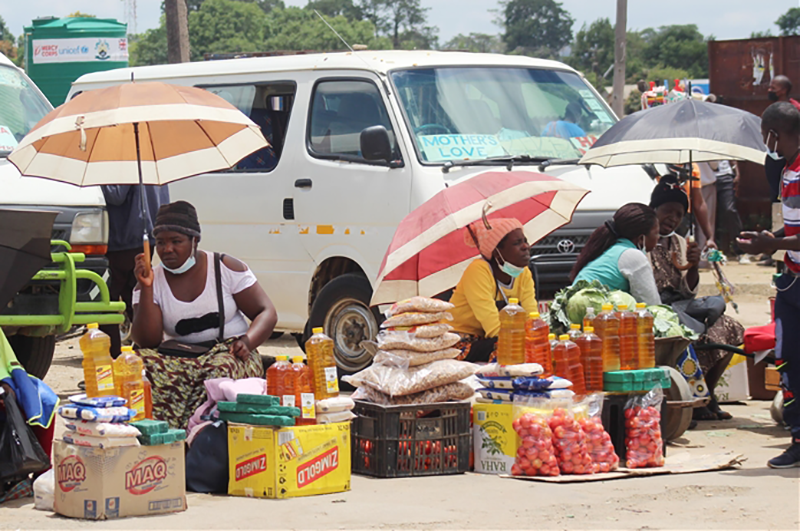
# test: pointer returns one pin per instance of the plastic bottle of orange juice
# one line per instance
(606, 326)
(273, 382)
(591, 348)
(322, 362)
(645, 336)
(537, 344)
(98, 372)
(303, 395)
(628, 342)
(128, 382)
(567, 364)
(511, 340)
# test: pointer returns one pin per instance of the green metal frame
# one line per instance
(71, 312)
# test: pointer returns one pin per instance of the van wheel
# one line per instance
(342, 309)
(34, 353)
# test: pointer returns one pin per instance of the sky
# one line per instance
(725, 19)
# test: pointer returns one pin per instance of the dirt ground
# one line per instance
(750, 497)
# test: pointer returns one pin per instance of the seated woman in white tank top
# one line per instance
(177, 300)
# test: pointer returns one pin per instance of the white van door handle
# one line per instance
(303, 183)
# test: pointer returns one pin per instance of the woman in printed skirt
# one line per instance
(177, 301)
(500, 274)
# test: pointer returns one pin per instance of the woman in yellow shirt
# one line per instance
(501, 273)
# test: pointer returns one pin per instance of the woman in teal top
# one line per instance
(616, 253)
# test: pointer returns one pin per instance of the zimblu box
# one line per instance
(288, 462)
(96, 484)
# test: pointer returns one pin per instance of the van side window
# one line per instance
(269, 105)
(340, 110)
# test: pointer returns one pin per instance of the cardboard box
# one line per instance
(772, 379)
(495, 442)
(288, 462)
(97, 484)
(733, 385)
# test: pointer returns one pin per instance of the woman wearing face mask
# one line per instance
(616, 253)
(675, 270)
(176, 306)
(500, 274)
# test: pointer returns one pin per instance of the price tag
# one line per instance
(288, 401)
(308, 406)
(331, 380)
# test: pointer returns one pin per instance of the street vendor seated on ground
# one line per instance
(616, 253)
(178, 300)
(675, 268)
(500, 274)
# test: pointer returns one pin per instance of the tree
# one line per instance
(789, 22)
(150, 47)
(177, 19)
(404, 21)
(7, 40)
(296, 28)
(760, 34)
(336, 8)
(593, 50)
(227, 26)
(476, 42)
(535, 26)
(265, 5)
(78, 14)
(677, 46)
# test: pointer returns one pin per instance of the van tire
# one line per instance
(342, 309)
(34, 353)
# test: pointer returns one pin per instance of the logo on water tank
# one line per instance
(101, 50)
(566, 246)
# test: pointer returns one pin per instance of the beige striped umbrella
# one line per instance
(145, 133)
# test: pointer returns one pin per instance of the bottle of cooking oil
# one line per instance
(606, 326)
(322, 362)
(511, 340)
(148, 396)
(98, 372)
(567, 364)
(588, 319)
(591, 348)
(537, 344)
(628, 342)
(574, 332)
(128, 382)
(645, 336)
(273, 382)
(286, 383)
(303, 395)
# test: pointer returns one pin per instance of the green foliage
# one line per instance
(558, 315)
(221, 26)
(335, 8)
(593, 50)
(404, 21)
(5, 33)
(78, 14)
(265, 5)
(535, 27)
(300, 29)
(678, 46)
(789, 22)
(476, 42)
(633, 103)
(761, 34)
(150, 47)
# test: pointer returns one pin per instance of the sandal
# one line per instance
(703, 413)
(713, 407)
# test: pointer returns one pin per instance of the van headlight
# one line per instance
(90, 227)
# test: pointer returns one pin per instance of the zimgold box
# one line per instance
(288, 462)
(96, 483)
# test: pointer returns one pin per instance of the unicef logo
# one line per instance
(101, 50)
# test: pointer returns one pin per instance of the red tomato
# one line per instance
(516, 425)
(531, 454)
(524, 462)
(528, 442)
(536, 463)
(567, 467)
(366, 463)
(521, 451)
(544, 470)
(525, 422)
(516, 470)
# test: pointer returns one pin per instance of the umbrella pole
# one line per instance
(691, 205)
(145, 237)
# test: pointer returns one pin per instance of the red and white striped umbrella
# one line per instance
(428, 255)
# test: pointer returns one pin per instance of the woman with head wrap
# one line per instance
(677, 286)
(500, 274)
(616, 253)
(179, 300)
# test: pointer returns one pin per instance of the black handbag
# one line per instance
(207, 460)
(182, 349)
(20, 452)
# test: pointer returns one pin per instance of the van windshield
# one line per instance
(480, 113)
(21, 107)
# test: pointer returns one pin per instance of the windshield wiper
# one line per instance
(557, 162)
(509, 161)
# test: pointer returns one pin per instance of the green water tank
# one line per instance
(60, 50)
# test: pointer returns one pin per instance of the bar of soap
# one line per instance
(258, 420)
(150, 427)
(235, 407)
(158, 439)
(259, 400)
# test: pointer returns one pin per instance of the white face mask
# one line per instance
(508, 268)
(187, 265)
(774, 155)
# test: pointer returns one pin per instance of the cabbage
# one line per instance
(558, 315)
(618, 298)
(581, 301)
(666, 323)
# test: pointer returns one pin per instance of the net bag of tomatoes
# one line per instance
(643, 443)
(569, 440)
(598, 441)
(535, 453)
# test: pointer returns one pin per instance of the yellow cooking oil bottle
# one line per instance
(321, 361)
(98, 370)
(128, 381)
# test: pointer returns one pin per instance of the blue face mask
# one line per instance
(187, 265)
(774, 155)
(509, 268)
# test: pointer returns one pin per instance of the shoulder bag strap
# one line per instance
(218, 277)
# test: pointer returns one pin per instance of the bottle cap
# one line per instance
(317, 330)
(534, 315)
(608, 306)
(92, 325)
(297, 359)
(574, 326)
(282, 358)
(551, 337)
(641, 305)
(622, 307)
(563, 337)
(513, 301)
(589, 329)
(126, 349)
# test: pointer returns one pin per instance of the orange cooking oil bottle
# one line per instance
(303, 395)
(537, 344)
(148, 396)
(98, 372)
(322, 362)
(606, 326)
(567, 363)
(628, 342)
(511, 339)
(574, 332)
(588, 319)
(128, 382)
(644, 334)
(286, 383)
(273, 382)
(591, 348)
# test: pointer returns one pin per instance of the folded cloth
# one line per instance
(224, 389)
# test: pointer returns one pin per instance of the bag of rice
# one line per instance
(539, 384)
(394, 381)
(97, 414)
(71, 437)
(418, 304)
(332, 418)
(409, 341)
(524, 369)
(444, 393)
(335, 404)
(496, 382)
(101, 429)
(415, 318)
(409, 358)
(424, 331)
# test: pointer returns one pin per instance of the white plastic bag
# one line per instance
(445, 393)
(335, 404)
(101, 429)
(415, 318)
(424, 331)
(524, 369)
(332, 418)
(394, 381)
(44, 491)
(410, 341)
(72, 437)
(418, 304)
(409, 358)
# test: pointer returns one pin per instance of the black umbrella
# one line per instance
(24, 248)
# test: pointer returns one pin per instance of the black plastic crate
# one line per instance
(410, 441)
(613, 418)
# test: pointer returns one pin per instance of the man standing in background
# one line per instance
(727, 175)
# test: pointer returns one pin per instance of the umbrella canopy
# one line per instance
(680, 133)
(92, 139)
(428, 254)
(24, 248)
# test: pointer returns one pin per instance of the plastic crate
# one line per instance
(410, 441)
(613, 418)
(638, 380)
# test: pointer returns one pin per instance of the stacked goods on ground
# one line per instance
(643, 442)
(100, 422)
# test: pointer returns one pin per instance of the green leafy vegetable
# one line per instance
(619, 298)
(558, 316)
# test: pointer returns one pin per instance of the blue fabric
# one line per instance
(36, 400)
(125, 224)
(787, 337)
(605, 268)
(563, 129)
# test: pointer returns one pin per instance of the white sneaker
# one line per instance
(744, 259)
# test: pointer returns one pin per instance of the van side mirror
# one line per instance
(375, 144)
